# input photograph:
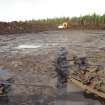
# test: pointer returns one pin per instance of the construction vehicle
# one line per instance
(63, 25)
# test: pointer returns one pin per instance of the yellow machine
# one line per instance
(63, 26)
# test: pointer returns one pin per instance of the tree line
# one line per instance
(93, 21)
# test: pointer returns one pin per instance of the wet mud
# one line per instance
(39, 63)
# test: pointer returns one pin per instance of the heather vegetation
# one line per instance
(93, 21)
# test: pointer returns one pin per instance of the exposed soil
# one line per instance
(34, 69)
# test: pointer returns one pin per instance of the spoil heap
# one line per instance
(89, 75)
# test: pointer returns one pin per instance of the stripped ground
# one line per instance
(30, 58)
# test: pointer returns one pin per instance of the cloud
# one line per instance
(35, 9)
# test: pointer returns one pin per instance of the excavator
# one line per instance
(64, 25)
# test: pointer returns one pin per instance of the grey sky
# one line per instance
(11, 10)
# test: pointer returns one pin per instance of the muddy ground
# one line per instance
(30, 58)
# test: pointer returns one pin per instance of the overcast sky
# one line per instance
(11, 10)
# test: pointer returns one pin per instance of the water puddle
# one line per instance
(4, 74)
(28, 46)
